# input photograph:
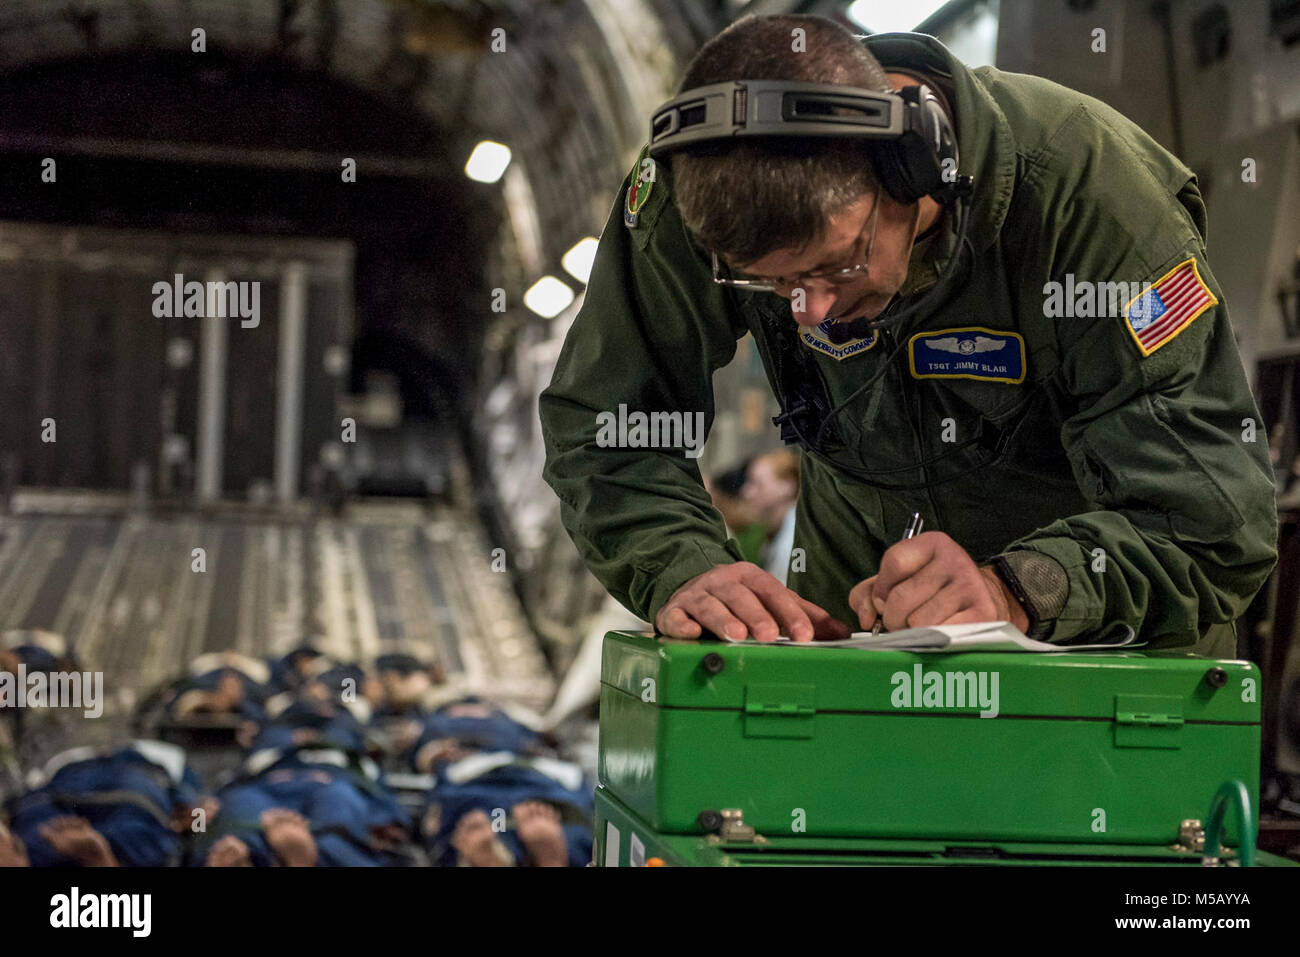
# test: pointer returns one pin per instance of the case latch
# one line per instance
(728, 827)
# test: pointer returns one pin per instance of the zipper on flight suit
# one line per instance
(912, 402)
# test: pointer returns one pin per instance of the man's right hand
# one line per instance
(740, 599)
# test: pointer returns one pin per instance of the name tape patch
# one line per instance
(986, 355)
(1168, 307)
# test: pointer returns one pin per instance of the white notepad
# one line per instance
(978, 636)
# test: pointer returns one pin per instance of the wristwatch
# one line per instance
(1039, 583)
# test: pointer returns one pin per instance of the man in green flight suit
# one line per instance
(1063, 402)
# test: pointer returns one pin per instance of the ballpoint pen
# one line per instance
(913, 529)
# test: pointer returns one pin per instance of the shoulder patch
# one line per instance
(972, 352)
(638, 193)
(1168, 307)
(820, 340)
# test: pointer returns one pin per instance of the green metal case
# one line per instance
(1101, 750)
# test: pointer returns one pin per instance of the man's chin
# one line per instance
(869, 310)
(866, 310)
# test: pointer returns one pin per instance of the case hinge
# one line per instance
(1148, 721)
(779, 711)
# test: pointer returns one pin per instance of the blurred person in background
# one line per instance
(742, 523)
(106, 807)
(771, 490)
(501, 798)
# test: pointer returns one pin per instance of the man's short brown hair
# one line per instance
(749, 199)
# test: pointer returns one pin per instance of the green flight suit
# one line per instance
(1138, 474)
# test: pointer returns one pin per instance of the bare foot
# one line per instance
(289, 835)
(477, 844)
(230, 691)
(230, 851)
(405, 736)
(305, 736)
(434, 754)
(387, 836)
(74, 837)
(185, 817)
(12, 852)
(539, 830)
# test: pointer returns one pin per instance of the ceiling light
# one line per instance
(892, 16)
(548, 297)
(577, 261)
(488, 161)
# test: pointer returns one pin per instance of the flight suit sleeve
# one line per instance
(649, 335)
(1168, 444)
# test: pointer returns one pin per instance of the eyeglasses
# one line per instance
(835, 277)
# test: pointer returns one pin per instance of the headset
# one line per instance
(913, 145)
(914, 153)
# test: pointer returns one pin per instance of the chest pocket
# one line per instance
(984, 419)
(1013, 426)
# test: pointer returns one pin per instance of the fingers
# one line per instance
(785, 604)
(825, 628)
(701, 609)
(901, 602)
(711, 612)
(744, 602)
(862, 603)
(904, 559)
(924, 581)
(968, 616)
(943, 608)
(741, 600)
(675, 623)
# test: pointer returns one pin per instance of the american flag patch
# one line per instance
(1168, 307)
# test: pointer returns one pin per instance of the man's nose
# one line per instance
(810, 303)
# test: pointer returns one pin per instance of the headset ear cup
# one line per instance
(944, 146)
(892, 172)
(913, 166)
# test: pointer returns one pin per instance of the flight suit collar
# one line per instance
(984, 138)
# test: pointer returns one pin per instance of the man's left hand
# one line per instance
(931, 580)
